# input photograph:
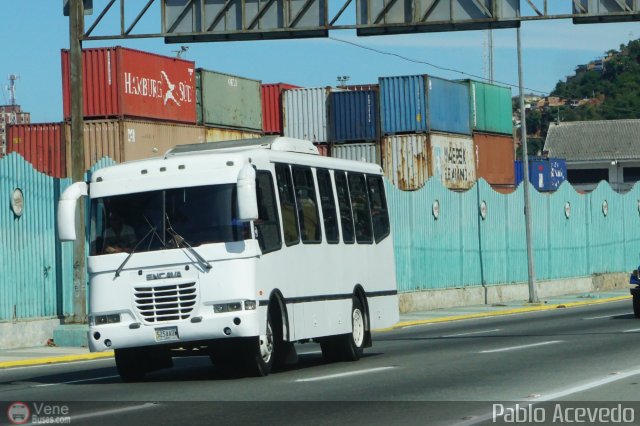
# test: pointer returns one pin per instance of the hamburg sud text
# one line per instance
(560, 413)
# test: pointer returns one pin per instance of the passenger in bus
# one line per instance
(118, 237)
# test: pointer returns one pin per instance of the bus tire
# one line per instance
(259, 353)
(347, 347)
(130, 364)
(636, 306)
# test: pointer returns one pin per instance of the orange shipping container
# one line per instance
(494, 158)
(43, 145)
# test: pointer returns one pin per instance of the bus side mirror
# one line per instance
(247, 199)
(67, 210)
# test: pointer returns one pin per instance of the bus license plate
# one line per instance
(166, 333)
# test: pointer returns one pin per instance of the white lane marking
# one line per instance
(74, 381)
(589, 385)
(607, 316)
(347, 374)
(557, 395)
(472, 332)
(118, 410)
(513, 348)
(633, 330)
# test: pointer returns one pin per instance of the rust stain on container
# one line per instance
(405, 160)
(214, 134)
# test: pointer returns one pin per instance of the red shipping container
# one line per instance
(43, 145)
(121, 82)
(495, 155)
(272, 107)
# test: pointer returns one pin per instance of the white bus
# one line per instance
(235, 250)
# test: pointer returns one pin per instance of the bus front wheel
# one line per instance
(130, 364)
(259, 352)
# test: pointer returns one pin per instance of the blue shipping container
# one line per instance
(403, 104)
(353, 116)
(448, 106)
(545, 174)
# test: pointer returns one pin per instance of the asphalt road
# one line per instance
(447, 373)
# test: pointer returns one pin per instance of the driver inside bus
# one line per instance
(118, 237)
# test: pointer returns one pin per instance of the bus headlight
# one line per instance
(104, 319)
(249, 305)
(220, 308)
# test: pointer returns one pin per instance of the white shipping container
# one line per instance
(453, 160)
(406, 160)
(356, 151)
(305, 113)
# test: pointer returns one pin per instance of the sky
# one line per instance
(34, 32)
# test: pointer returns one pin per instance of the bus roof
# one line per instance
(275, 143)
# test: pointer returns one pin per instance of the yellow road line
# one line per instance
(55, 359)
(496, 313)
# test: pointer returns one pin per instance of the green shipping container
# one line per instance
(229, 101)
(491, 109)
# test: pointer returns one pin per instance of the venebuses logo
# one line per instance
(18, 413)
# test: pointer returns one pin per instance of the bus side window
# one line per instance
(344, 203)
(287, 205)
(307, 205)
(379, 212)
(360, 206)
(267, 225)
(328, 204)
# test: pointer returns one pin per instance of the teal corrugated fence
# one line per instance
(574, 235)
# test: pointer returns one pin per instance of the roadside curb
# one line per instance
(497, 313)
(55, 359)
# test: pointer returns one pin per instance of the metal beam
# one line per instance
(140, 15)
(181, 16)
(580, 15)
(260, 14)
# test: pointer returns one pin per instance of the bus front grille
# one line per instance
(165, 302)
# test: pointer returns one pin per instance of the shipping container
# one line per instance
(353, 116)
(494, 158)
(545, 174)
(405, 160)
(121, 82)
(491, 108)
(403, 104)
(225, 100)
(367, 152)
(448, 106)
(272, 107)
(213, 134)
(43, 145)
(453, 160)
(47, 146)
(305, 113)
(323, 149)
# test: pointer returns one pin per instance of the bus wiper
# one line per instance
(181, 242)
(133, 250)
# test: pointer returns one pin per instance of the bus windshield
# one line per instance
(198, 215)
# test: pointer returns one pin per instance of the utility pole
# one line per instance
(533, 294)
(76, 31)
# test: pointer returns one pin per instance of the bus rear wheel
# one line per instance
(347, 347)
(259, 353)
